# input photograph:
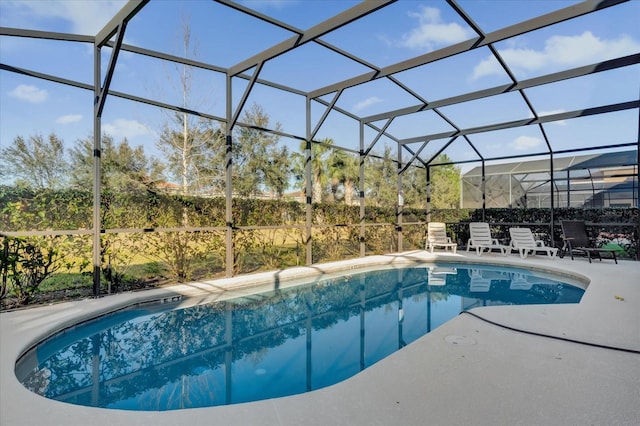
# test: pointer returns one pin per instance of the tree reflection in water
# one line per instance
(268, 345)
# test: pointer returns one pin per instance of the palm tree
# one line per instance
(343, 170)
(381, 178)
(319, 174)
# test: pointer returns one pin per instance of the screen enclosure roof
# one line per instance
(473, 80)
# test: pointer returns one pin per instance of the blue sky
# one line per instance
(408, 28)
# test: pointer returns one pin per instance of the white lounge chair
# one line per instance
(437, 237)
(522, 240)
(481, 240)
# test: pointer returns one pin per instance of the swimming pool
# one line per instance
(164, 357)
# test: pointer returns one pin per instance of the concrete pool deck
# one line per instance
(505, 365)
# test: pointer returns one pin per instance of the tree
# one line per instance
(414, 185)
(445, 184)
(193, 146)
(381, 180)
(36, 162)
(124, 168)
(194, 152)
(194, 149)
(278, 171)
(259, 164)
(126, 172)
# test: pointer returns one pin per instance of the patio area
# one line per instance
(527, 365)
(318, 131)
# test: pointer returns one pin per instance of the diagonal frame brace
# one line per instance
(104, 90)
(413, 158)
(326, 113)
(441, 150)
(378, 136)
(245, 95)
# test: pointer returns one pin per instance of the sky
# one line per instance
(408, 28)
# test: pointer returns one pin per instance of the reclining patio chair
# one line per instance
(522, 240)
(480, 239)
(437, 237)
(576, 240)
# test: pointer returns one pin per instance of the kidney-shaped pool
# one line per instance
(157, 357)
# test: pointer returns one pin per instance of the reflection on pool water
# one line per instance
(267, 345)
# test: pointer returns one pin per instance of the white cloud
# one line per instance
(522, 143)
(123, 128)
(587, 47)
(566, 51)
(516, 58)
(432, 32)
(29, 93)
(68, 119)
(85, 17)
(366, 103)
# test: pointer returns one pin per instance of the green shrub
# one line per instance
(28, 261)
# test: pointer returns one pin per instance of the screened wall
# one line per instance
(580, 181)
(170, 136)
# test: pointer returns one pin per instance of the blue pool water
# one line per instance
(267, 345)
